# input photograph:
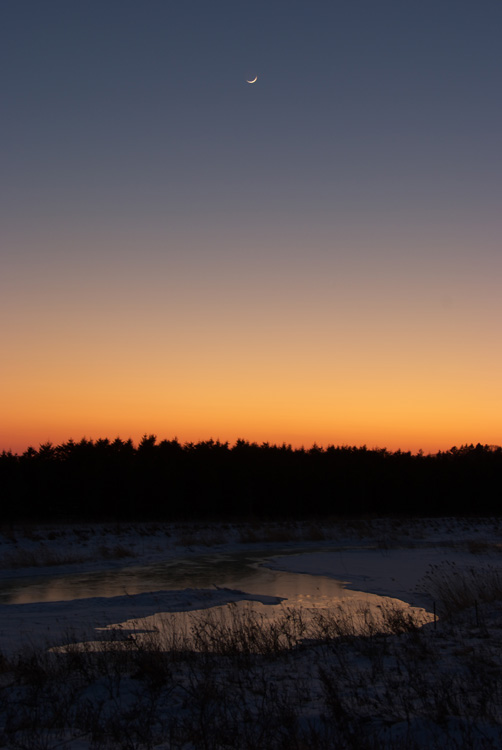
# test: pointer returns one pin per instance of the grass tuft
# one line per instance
(456, 588)
(233, 678)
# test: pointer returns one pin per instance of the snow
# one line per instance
(393, 573)
(386, 558)
(53, 622)
(439, 687)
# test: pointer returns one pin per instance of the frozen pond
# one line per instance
(49, 603)
(241, 571)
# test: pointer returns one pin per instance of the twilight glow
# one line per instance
(313, 258)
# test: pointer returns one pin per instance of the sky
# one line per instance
(311, 258)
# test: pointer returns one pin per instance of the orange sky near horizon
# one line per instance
(280, 375)
(371, 350)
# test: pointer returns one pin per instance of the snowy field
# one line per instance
(240, 669)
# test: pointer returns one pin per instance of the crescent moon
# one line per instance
(253, 81)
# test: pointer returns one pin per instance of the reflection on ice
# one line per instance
(240, 571)
(183, 600)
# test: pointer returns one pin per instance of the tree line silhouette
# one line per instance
(167, 480)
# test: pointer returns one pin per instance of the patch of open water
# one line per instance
(241, 571)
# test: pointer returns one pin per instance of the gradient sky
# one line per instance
(315, 257)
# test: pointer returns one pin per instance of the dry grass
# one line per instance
(115, 552)
(338, 681)
(456, 588)
(42, 555)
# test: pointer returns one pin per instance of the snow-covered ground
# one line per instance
(397, 573)
(436, 686)
(385, 557)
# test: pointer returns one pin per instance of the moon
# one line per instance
(253, 80)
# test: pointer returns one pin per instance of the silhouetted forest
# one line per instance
(116, 480)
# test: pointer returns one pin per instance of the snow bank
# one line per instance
(51, 622)
(396, 572)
